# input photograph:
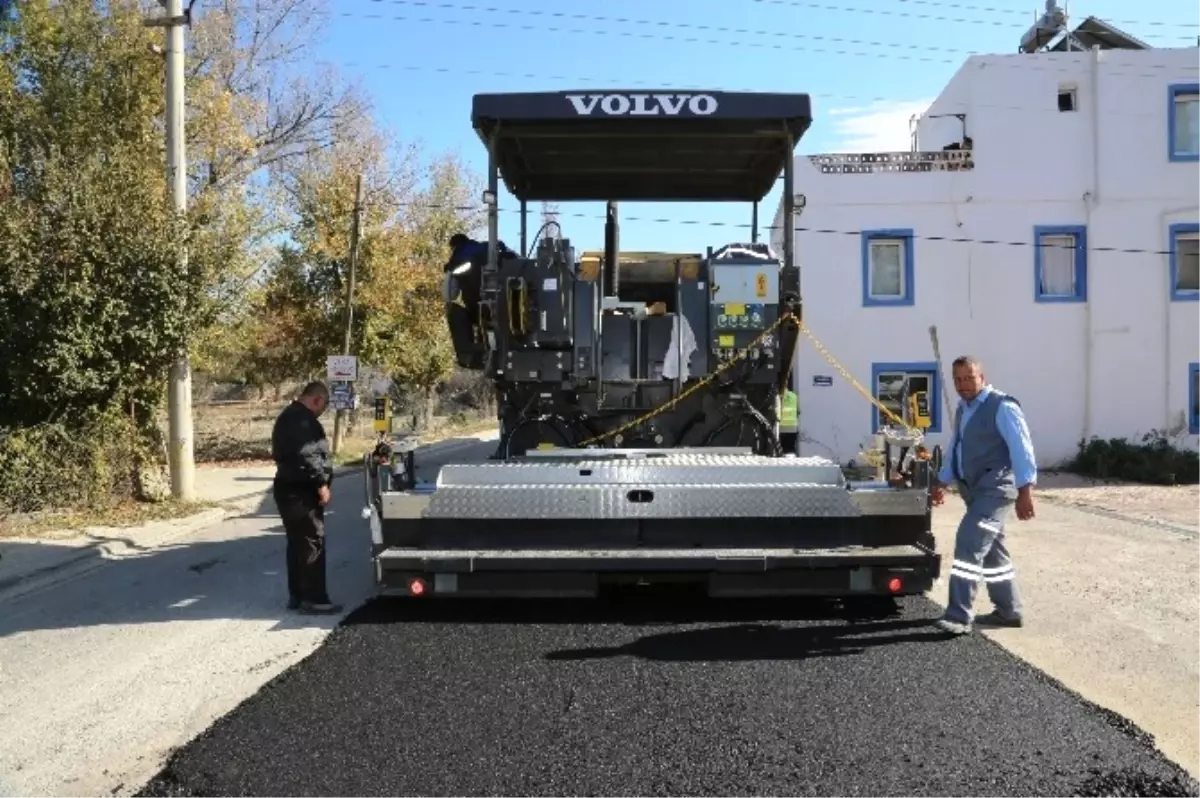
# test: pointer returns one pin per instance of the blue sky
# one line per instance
(867, 64)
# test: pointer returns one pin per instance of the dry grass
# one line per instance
(68, 524)
(234, 433)
(239, 433)
(227, 434)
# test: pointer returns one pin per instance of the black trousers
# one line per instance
(304, 522)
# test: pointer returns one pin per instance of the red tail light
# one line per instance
(895, 584)
(416, 586)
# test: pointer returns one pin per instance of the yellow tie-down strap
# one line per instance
(785, 318)
(850, 378)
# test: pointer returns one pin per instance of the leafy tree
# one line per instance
(93, 301)
(258, 108)
(406, 332)
(300, 314)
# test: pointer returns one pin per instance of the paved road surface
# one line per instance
(639, 694)
(566, 699)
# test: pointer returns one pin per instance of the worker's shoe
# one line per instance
(319, 608)
(953, 627)
(994, 618)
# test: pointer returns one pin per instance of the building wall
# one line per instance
(1114, 365)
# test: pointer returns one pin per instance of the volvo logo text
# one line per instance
(643, 104)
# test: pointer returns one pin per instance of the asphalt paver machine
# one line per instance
(638, 393)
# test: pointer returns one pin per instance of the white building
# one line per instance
(1095, 150)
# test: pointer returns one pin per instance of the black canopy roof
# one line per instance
(641, 145)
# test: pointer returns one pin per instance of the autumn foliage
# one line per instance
(95, 303)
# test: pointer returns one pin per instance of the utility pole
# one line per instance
(340, 419)
(181, 451)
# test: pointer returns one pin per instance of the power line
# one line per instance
(949, 107)
(698, 40)
(655, 23)
(972, 21)
(902, 14)
(799, 229)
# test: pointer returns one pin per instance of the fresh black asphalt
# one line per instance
(663, 693)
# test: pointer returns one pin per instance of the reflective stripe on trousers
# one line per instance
(981, 556)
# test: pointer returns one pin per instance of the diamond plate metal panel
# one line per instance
(408, 504)
(620, 451)
(866, 554)
(714, 500)
(673, 470)
(889, 502)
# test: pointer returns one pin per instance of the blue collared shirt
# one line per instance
(1011, 423)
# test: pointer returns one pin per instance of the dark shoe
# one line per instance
(319, 608)
(996, 619)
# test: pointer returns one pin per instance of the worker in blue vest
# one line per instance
(992, 463)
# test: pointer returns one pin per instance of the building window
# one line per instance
(1183, 122)
(887, 267)
(1066, 99)
(1060, 263)
(1194, 398)
(1185, 266)
(893, 383)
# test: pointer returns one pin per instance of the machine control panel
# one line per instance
(743, 303)
(740, 316)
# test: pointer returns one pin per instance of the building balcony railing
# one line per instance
(868, 163)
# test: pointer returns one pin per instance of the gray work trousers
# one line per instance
(981, 556)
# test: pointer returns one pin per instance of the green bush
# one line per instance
(92, 463)
(1154, 461)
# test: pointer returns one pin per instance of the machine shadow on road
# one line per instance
(726, 629)
(641, 606)
(758, 641)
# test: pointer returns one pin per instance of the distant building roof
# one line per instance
(1096, 32)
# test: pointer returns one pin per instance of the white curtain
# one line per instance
(1058, 265)
(1187, 124)
(887, 274)
(1187, 263)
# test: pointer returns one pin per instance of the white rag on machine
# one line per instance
(675, 357)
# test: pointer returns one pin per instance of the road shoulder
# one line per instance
(1111, 613)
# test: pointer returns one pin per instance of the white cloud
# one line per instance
(879, 127)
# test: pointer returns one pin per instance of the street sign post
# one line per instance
(343, 396)
(341, 368)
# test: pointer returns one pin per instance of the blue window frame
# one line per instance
(887, 268)
(1183, 121)
(1185, 270)
(1060, 263)
(891, 383)
(1194, 398)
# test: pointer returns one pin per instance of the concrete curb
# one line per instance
(101, 553)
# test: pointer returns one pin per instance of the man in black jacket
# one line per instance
(303, 473)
